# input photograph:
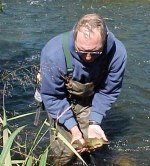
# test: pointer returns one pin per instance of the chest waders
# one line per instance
(80, 96)
(76, 91)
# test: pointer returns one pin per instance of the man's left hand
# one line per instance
(95, 131)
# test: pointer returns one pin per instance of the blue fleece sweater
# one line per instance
(53, 66)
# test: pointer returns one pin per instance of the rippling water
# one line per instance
(25, 27)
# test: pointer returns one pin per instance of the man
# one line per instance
(79, 103)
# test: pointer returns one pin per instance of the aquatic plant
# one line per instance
(9, 138)
(1, 6)
(29, 158)
(24, 75)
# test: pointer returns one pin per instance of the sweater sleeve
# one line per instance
(53, 90)
(107, 95)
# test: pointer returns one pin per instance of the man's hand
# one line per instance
(95, 131)
(77, 135)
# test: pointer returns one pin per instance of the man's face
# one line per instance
(89, 44)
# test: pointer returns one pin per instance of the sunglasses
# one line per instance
(92, 53)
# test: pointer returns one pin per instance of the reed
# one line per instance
(25, 75)
(1, 7)
(29, 159)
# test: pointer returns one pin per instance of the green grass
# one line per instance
(27, 149)
(29, 158)
(8, 140)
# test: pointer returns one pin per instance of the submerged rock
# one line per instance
(124, 160)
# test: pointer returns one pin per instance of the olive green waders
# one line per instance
(81, 109)
(81, 96)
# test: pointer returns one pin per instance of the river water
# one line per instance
(26, 26)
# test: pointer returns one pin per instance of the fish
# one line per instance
(90, 143)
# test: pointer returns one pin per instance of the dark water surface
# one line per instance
(25, 27)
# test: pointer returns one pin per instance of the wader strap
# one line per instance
(40, 105)
(65, 44)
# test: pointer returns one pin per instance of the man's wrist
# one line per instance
(92, 122)
(74, 129)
